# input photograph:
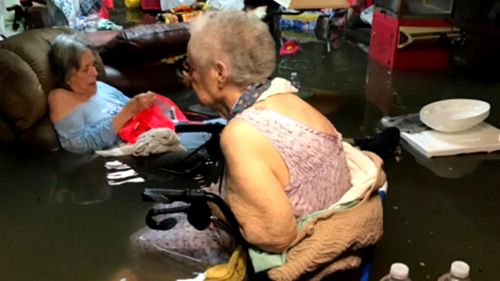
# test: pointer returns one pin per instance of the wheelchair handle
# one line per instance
(192, 196)
(214, 128)
(167, 223)
(163, 195)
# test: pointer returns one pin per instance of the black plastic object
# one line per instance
(212, 145)
(199, 215)
(165, 224)
(163, 195)
(214, 128)
(191, 164)
(198, 211)
(384, 144)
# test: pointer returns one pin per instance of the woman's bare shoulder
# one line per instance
(240, 137)
(60, 103)
(236, 130)
(58, 94)
(302, 112)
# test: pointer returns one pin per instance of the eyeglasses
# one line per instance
(187, 67)
(187, 71)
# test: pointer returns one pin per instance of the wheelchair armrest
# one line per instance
(213, 128)
(198, 199)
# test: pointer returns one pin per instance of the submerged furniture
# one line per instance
(412, 34)
(132, 63)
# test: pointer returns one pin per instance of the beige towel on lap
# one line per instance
(154, 141)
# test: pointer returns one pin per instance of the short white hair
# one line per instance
(241, 40)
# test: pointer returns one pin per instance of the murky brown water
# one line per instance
(61, 221)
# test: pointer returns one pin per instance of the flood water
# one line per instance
(60, 220)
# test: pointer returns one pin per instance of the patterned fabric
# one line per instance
(249, 97)
(184, 243)
(72, 9)
(88, 7)
(68, 9)
(319, 175)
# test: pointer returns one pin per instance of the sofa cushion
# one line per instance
(161, 78)
(22, 98)
(40, 137)
(145, 43)
(5, 132)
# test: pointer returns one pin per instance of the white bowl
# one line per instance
(454, 115)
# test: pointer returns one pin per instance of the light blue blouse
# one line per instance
(90, 126)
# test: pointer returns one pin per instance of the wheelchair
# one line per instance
(198, 212)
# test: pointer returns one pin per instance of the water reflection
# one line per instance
(90, 188)
(379, 89)
(59, 218)
(452, 167)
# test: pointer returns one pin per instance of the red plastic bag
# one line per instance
(164, 113)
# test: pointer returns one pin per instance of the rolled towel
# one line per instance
(156, 141)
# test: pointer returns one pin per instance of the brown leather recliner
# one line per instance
(132, 63)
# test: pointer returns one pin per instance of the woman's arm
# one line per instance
(254, 193)
(90, 138)
(78, 135)
(131, 106)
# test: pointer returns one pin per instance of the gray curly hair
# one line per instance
(240, 40)
(64, 56)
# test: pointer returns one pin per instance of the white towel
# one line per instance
(363, 174)
(154, 141)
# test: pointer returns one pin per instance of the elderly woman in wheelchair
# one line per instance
(294, 197)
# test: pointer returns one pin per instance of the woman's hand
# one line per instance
(132, 108)
(139, 103)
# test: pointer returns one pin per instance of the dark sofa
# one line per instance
(130, 60)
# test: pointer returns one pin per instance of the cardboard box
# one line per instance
(318, 4)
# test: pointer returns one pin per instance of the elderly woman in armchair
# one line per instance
(86, 113)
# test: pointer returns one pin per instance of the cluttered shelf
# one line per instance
(150, 11)
(130, 12)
